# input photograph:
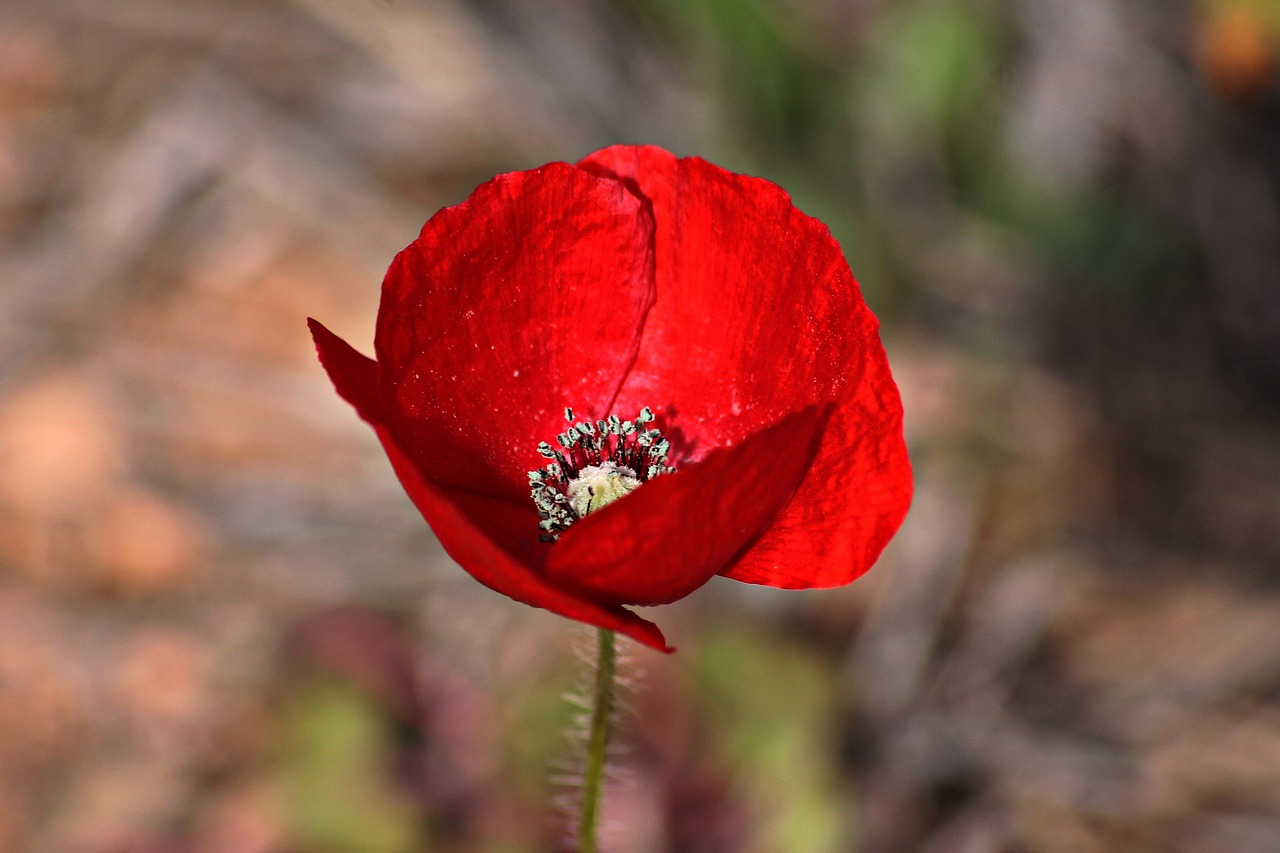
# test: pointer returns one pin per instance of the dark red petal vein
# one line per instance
(758, 315)
(526, 298)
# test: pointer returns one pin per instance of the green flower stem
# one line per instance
(597, 743)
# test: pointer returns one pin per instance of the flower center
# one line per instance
(599, 485)
(595, 465)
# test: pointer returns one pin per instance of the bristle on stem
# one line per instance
(597, 743)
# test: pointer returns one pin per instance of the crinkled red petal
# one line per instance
(853, 499)
(670, 536)
(493, 566)
(758, 316)
(483, 549)
(531, 295)
(526, 298)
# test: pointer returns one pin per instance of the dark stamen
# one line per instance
(628, 449)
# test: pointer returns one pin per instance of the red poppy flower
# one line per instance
(762, 437)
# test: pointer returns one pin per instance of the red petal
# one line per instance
(477, 550)
(757, 316)
(496, 568)
(354, 375)
(526, 298)
(851, 502)
(670, 536)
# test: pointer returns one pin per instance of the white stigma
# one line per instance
(598, 486)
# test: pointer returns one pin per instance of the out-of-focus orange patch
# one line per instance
(1238, 53)
(62, 450)
(163, 676)
(44, 699)
(68, 514)
(60, 447)
(243, 821)
(139, 543)
(35, 66)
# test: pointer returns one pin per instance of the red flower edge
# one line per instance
(634, 279)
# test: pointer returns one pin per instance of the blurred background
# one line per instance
(224, 629)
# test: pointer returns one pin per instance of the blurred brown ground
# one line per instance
(223, 628)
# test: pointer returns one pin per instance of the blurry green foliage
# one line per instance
(777, 88)
(930, 74)
(1267, 11)
(533, 739)
(935, 76)
(339, 795)
(773, 707)
(781, 96)
(921, 100)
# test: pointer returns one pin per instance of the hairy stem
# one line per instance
(597, 742)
